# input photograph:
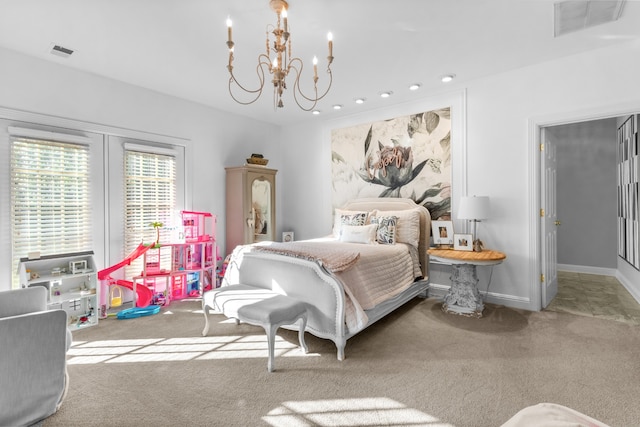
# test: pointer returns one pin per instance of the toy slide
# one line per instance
(137, 252)
(144, 294)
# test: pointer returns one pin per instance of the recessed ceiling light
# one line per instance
(337, 107)
(415, 86)
(315, 112)
(385, 94)
(360, 100)
(447, 78)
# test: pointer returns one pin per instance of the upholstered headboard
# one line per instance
(399, 204)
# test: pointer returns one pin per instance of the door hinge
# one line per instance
(542, 213)
(542, 278)
(541, 147)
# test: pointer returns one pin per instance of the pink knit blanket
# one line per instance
(332, 258)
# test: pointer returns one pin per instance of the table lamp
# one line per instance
(474, 208)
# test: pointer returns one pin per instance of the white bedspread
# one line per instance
(380, 273)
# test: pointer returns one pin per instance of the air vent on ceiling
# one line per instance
(574, 15)
(61, 51)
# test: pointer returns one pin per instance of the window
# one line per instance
(150, 197)
(64, 187)
(50, 197)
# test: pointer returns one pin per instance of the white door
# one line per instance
(548, 220)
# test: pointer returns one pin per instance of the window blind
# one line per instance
(150, 196)
(50, 198)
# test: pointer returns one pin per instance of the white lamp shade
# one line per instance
(474, 207)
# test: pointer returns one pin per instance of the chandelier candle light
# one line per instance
(281, 65)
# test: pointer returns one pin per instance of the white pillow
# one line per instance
(407, 225)
(359, 233)
(337, 219)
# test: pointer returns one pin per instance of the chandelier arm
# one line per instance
(231, 80)
(297, 88)
(261, 78)
(259, 72)
(310, 108)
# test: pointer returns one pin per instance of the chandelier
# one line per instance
(280, 64)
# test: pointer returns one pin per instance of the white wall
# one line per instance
(502, 114)
(217, 139)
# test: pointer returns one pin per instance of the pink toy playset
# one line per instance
(192, 269)
(195, 226)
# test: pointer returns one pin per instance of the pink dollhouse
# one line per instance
(193, 263)
(190, 272)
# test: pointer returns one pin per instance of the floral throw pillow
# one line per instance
(355, 216)
(353, 219)
(386, 233)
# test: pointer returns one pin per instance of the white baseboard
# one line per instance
(588, 270)
(633, 289)
(439, 291)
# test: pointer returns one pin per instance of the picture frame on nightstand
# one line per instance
(463, 242)
(442, 232)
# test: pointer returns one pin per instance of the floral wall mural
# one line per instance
(406, 156)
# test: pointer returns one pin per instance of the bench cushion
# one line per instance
(254, 305)
(275, 310)
(228, 299)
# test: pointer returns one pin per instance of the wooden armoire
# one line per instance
(250, 205)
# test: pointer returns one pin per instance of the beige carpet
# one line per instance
(417, 367)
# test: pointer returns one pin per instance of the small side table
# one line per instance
(463, 297)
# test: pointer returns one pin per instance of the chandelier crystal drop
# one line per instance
(280, 64)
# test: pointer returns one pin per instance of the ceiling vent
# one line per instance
(61, 51)
(575, 15)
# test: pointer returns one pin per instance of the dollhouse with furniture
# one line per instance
(70, 281)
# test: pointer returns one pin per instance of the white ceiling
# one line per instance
(178, 47)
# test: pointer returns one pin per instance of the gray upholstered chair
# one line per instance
(33, 351)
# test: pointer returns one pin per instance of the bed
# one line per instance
(347, 284)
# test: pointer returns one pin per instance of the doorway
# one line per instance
(578, 201)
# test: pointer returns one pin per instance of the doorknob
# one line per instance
(556, 222)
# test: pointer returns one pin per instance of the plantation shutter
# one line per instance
(150, 196)
(50, 194)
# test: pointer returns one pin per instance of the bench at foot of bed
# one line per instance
(259, 307)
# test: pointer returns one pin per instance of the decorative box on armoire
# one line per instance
(251, 205)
